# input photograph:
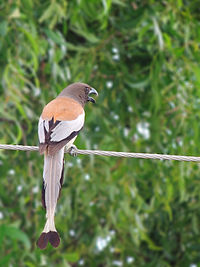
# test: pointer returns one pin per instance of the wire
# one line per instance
(110, 153)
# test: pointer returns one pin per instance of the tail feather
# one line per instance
(43, 195)
(52, 183)
(61, 179)
(52, 237)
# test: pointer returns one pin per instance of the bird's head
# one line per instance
(80, 92)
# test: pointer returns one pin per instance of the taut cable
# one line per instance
(110, 153)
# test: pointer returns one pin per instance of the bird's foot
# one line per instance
(73, 151)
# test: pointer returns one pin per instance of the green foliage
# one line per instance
(143, 58)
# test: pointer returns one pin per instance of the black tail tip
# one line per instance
(51, 236)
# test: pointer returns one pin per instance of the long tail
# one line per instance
(52, 182)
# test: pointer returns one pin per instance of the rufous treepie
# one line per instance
(59, 124)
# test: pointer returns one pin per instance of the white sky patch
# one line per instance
(1, 215)
(109, 84)
(19, 188)
(81, 262)
(126, 131)
(130, 259)
(143, 130)
(116, 57)
(130, 109)
(72, 233)
(116, 117)
(180, 142)
(117, 263)
(102, 242)
(135, 137)
(95, 146)
(115, 50)
(70, 164)
(78, 161)
(11, 172)
(36, 91)
(87, 177)
(174, 145)
(112, 250)
(172, 105)
(91, 203)
(168, 131)
(97, 129)
(112, 232)
(108, 238)
(35, 189)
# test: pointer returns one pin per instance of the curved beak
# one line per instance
(92, 91)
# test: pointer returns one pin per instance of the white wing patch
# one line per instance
(62, 130)
(41, 133)
(65, 128)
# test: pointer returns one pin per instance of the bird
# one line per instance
(59, 124)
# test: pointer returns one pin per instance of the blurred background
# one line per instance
(143, 58)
